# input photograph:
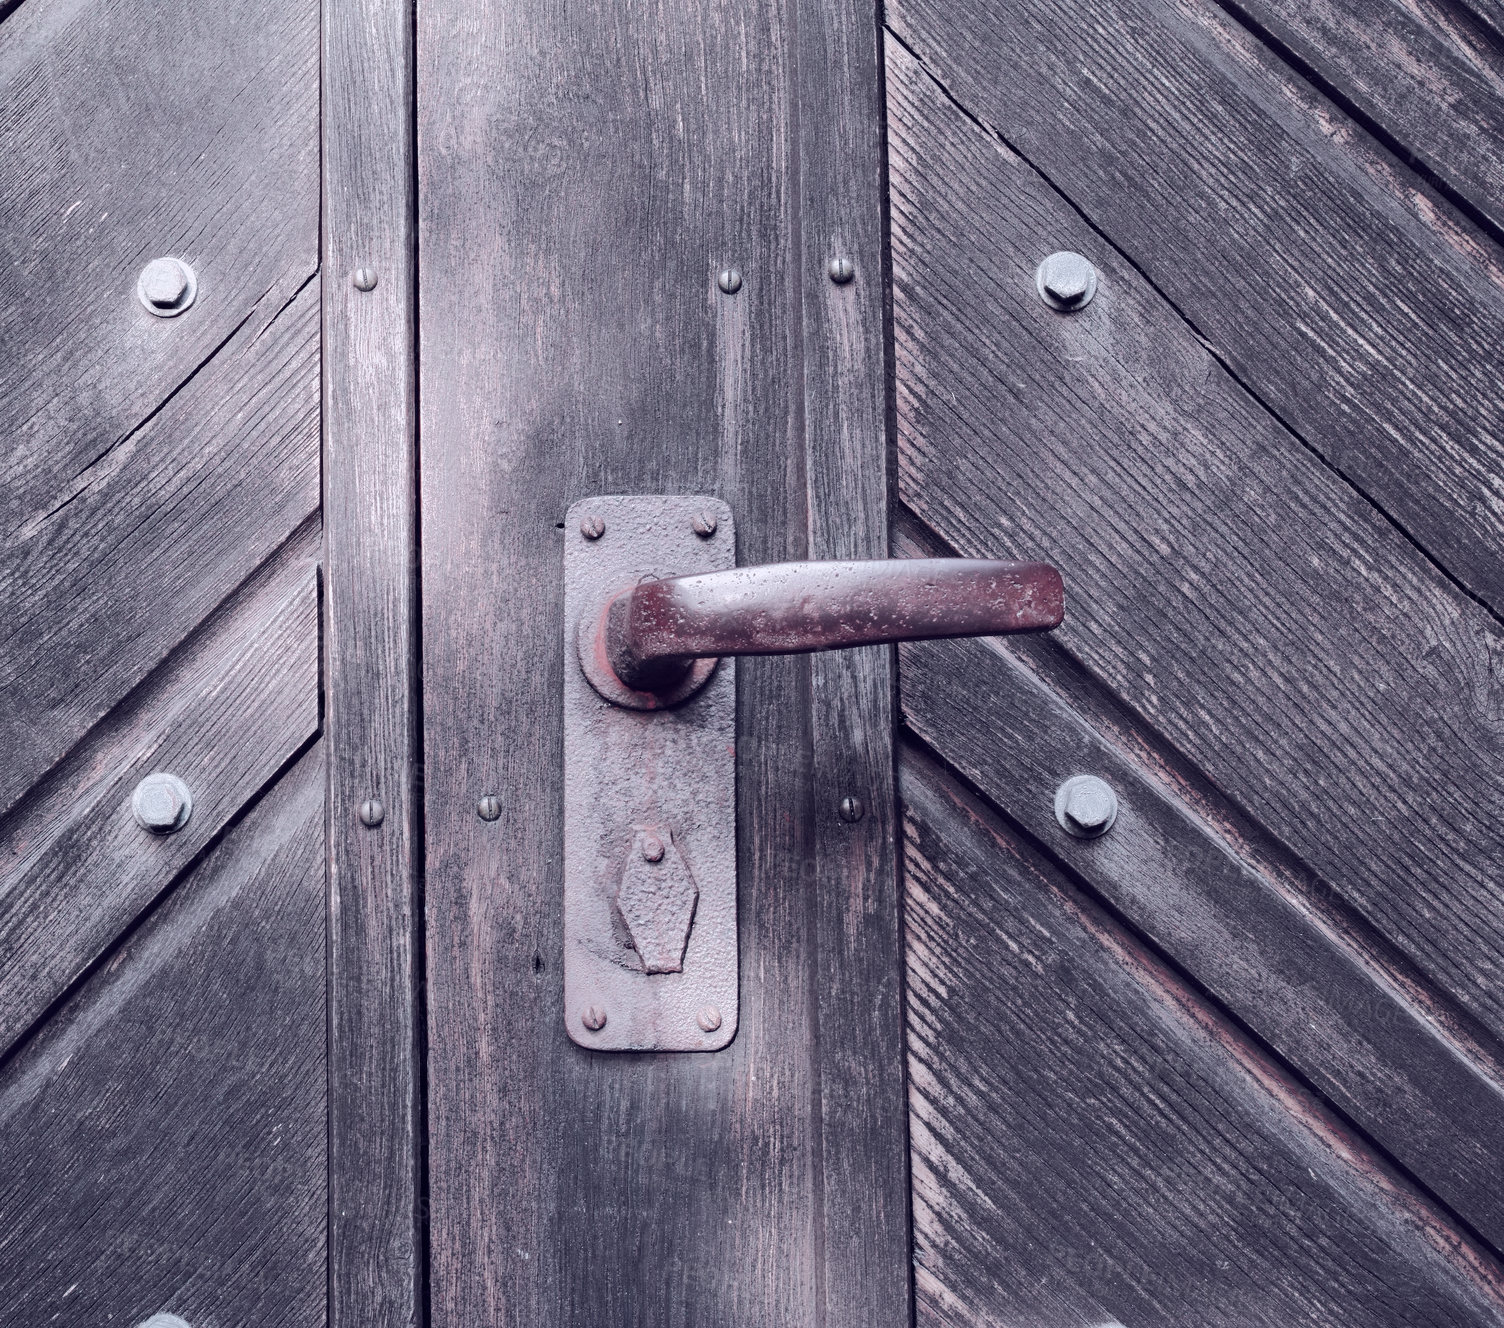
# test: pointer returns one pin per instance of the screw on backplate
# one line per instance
(1066, 281)
(593, 1017)
(364, 278)
(730, 281)
(1086, 806)
(841, 270)
(489, 807)
(372, 813)
(709, 1019)
(851, 809)
(652, 848)
(704, 524)
(166, 287)
(161, 803)
(592, 526)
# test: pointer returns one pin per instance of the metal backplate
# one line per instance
(649, 805)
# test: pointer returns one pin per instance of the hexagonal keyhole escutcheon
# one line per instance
(657, 898)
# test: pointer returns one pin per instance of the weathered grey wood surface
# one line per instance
(1093, 1144)
(583, 176)
(1348, 300)
(1227, 586)
(162, 1139)
(370, 526)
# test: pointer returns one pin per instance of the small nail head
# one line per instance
(1086, 806)
(594, 1018)
(489, 807)
(709, 1019)
(372, 813)
(841, 270)
(1066, 281)
(704, 524)
(851, 809)
(652, 848)
(730, 281)
(592, 527)
(364, 278)
(166, 287)
(161, 803)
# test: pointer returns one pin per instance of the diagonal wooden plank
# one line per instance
(1189, 886)
(1093, 1145)
(1430, 77)
(96, 591)
(133, 130)
(1212, 564)
(162, 1139)
(75, 868)
(1351, 302)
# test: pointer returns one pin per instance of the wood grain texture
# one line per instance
(1429, 76)
(1093, 1145)
(75, 868)
(1240, 598)
(1354, 304)
(1179, 873)
(162, 1139)
(584, 175)
(106, 578)
(370, 471)
(135, 443)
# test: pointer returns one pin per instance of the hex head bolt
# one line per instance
(1066, 281)
(166, 287)
(1086, 806)
(161, 803)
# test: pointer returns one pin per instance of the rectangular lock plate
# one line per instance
(650, 943)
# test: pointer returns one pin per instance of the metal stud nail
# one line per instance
(709, 1019)
(161, 803)
(166, 287)
(841, 270)
(372, 813)
(704, 524)
(1066, 281)
(593, 1017)
(652, 848)
(489, 807)
(592, 527)
(1086, 806)
(730, 281)
(851, 809)
(364, 278)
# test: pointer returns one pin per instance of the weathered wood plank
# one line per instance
(225, 717)
(105, 578)
(370, 473)
(1430, 77)
(162, 1139)
(853, 876)
(1246, 603)
(1349, 300)
(1178, 873)
(136, 129)
(585, 175)
(1092, 1144)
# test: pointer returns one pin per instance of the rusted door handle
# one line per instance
(653, 599)
(650, 637)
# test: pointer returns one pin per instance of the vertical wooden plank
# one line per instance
(369, 500)
(858, 948)
(585, 172)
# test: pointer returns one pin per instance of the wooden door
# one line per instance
(1237, 1060)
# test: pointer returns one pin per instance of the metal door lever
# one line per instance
(650, 636)
(655, 612)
